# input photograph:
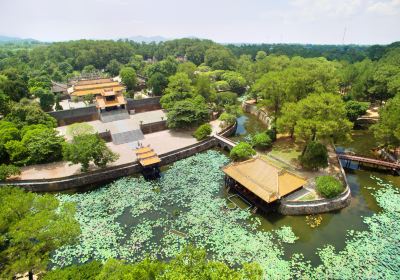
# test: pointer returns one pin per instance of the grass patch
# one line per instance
(286, 150)
(309, 196)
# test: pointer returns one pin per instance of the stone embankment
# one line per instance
(293, 208)
(99, 176)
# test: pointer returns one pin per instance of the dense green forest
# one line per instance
(195, 76)
(312, 92)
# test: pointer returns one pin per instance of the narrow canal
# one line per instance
(334, 226)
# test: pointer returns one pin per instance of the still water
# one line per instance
(334, 226)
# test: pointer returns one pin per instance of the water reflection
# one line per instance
(334, 226)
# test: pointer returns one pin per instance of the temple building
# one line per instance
(261, 182)
(107, 92)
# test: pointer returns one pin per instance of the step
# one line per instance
(114, 115)
(127, 137)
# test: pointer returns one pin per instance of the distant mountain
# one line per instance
(149, 39)
(8, 39)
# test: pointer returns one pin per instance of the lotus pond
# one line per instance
(132, 219)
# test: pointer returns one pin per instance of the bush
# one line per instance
(8, 170)
(227, 119)
(85, 271)
(203, 131)
(242, 151)
(315, 156)
(272, 134)
(261, 140)
(328, 186)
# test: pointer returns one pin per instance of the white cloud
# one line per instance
(389, 8)
(317, 9)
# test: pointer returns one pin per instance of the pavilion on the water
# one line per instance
(150, 161)
(260, 182)
(108, 92)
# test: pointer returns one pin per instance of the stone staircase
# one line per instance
(114, 115)
(127, 136)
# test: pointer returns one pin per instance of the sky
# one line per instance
(224, 21)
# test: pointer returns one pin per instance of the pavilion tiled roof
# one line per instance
(263, 179)
(147, 156)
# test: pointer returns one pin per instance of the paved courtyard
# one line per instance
(162, 142)
(132, 123)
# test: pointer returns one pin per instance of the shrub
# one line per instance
(329, 186)
(203, 131)
(261, 140)
(272, 134)
(227, 119)
(242, 151)
(85, 271)
(315, 156)
(8, 170)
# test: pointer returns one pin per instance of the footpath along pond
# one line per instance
(131, 219)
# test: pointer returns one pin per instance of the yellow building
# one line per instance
(257, 179)
(108, 93)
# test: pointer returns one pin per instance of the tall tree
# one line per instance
(187, 113)
(46, 100)
(28, 113)
(235, 81)
(220, 58)
(128, 77)
(113, 67)
(387, 130)
(38, 145)
(203, 87)
(272, 89)
(316, 116)
(86, 148)
(31, 227)
(158, 82)
(179, 88)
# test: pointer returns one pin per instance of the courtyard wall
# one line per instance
(108, 174)
(67, 117)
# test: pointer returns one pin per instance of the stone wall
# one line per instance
(229, 131)
(66, 117)
(153, 127)
(75, 182)
(293, 208)
(191, 150)
(143, 105)
(108, 174)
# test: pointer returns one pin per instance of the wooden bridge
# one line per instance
(372, 161)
